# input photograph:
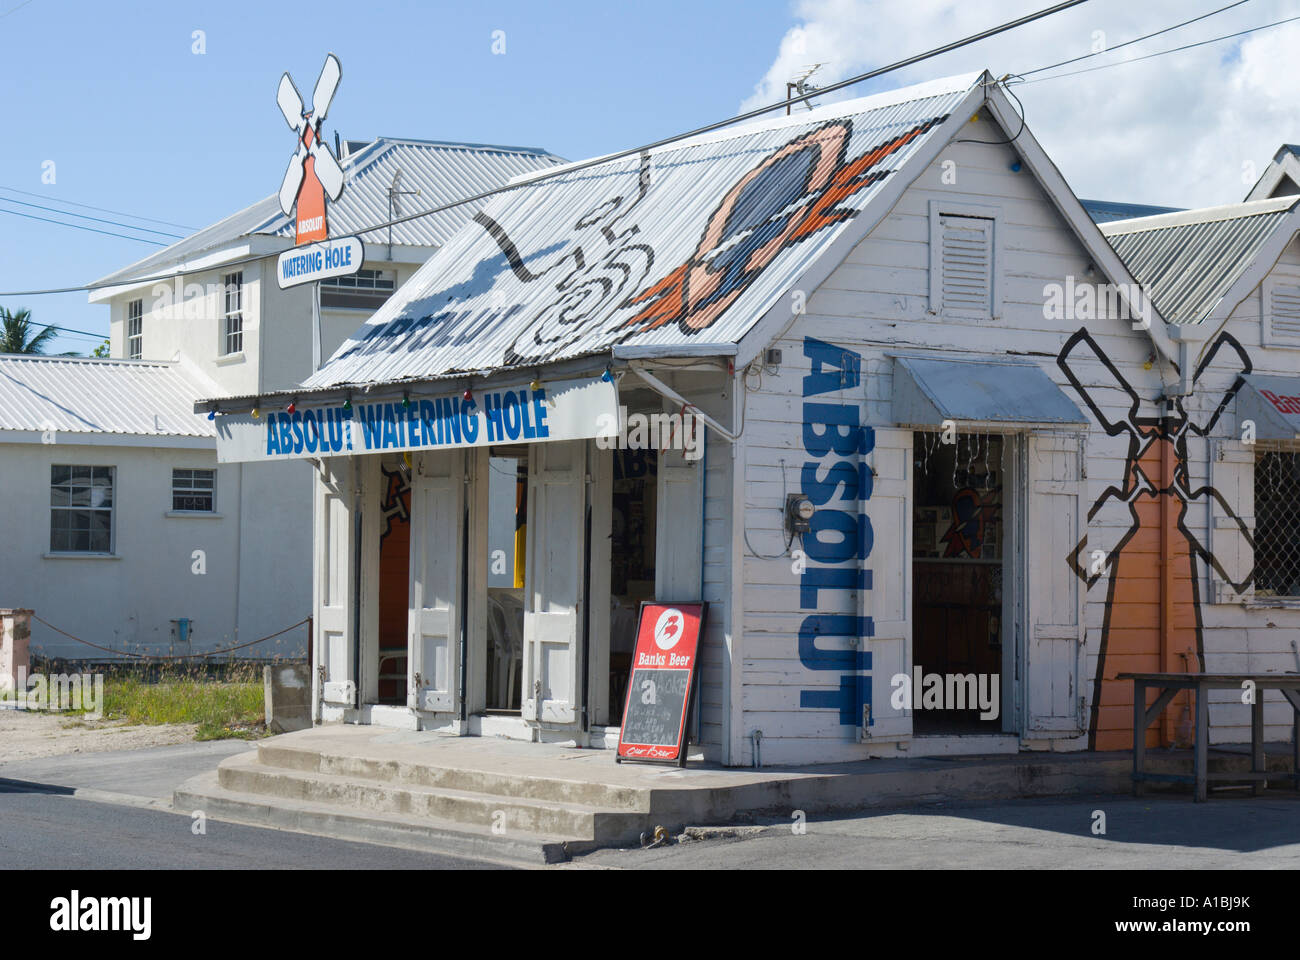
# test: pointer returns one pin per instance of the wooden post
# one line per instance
(1257, 761)
(1201, 762)
(1139, 735)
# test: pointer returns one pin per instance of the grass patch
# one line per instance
(215, 706)
(224, 700)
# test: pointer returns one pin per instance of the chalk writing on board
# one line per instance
(655, 707)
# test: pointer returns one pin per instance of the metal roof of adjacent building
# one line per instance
(1186, 262)
(697, 239)
(1281, 178)
(441, 171)
(1104, 211)
(92, 396)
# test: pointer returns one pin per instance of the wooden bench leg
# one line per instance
(1139, 735)
(1201, 762)
(1258, 763)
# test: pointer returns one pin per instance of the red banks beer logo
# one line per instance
(313, 171)
(668, 628)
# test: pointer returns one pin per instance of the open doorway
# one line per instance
(958, 575)
(394, 581)
(633, 521)
(507, 560)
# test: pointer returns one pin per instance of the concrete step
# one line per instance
(249, 774)
(552, 789)
(435, 835)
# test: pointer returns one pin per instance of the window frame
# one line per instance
(232, 283)
(389, 277)
(193, 491)
(940, 209)
(134, 329)
(111, 510)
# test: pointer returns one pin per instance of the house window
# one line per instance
(194, 490)
(362, 280)
(364, 290)
(232, 340)
(81, 509)
(1277, 523)
(135, 330)
(964, 262)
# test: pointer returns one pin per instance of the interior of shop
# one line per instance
(507, 550)
(394, 580)
(958, 566)
(632, 567)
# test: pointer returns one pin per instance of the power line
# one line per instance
(120, 213)
(569, 169)
(83, 216)
(1161, 53)
(69, 330)
(1126, 43)
(708, 128)
(78, 226)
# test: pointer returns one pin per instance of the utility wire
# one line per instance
(84, 216)
(87, 206)
(1126, 43)
(69, 330)
(1161, 53)
(569, 169)
(78, 226)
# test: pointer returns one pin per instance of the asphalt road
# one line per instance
(1155, 832)
(44, 827)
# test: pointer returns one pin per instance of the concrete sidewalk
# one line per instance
(482, 796)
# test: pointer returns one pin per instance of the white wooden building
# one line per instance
(930, 390)
(202, 317)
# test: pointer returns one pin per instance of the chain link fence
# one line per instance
(1277, 522)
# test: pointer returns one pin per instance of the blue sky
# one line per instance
(135, 121)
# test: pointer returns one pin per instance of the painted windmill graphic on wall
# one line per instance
(314, 173)
(1157, 490)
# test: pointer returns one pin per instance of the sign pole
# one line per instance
(315, 326)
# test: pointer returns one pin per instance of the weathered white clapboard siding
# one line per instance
(876, 302)
(1254, 636)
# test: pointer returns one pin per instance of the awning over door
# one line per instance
(1273, 403)
(928, 391)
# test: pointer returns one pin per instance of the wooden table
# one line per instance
(1169, 684)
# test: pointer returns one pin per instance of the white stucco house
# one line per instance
(112, 481)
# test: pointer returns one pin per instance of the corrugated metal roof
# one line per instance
(137, 397)
(1186, 262)
(442, 172)
(698, 237)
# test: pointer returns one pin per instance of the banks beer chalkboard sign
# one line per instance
(662, 684)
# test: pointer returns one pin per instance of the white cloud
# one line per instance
(1173, 130)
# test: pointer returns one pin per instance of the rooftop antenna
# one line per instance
(395, 194)
(800, 86)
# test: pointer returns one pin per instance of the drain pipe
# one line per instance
(757, 738)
